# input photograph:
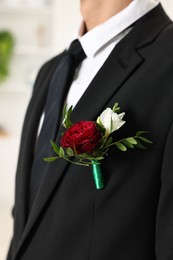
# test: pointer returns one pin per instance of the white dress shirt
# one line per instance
(100, 41)
(98, 44)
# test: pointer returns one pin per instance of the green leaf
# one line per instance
(141, 132)
(131, 140)
(55, 147)
(121, 147)
(127, 144)
(103, 140)
(145, 140)
(50, 159)
(64, 111)
(140, 145)
(66, 115)
(109, 141)
(82, 155)
(116, 108)
(69, 111)
(61, 152)
(70, 151)
(99, 158)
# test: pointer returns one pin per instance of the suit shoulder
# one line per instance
(52, 62)
(167, 34)
(46, 70)
(163, 44)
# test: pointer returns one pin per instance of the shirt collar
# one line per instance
(99, 36)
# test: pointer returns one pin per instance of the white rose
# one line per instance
(110, 120)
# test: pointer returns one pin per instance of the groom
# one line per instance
(124, 54)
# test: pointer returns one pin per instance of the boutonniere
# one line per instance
(86, 143)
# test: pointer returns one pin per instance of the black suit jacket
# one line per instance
(132, 217)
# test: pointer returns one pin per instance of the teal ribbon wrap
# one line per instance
(98, 177)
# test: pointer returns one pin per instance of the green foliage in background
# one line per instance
(6, 49)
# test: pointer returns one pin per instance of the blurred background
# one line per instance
(31, 32)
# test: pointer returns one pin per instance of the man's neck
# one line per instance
(95, 12)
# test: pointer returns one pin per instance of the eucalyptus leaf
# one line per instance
(127, 144)
(131, 140)
(61, 152)
(109, 141)
(70, 151)
(99, 158)
(55, 147)
(141, 132)
(121, 146)
(83, 155)
(50, 159)
(145, 140)
(140, 145)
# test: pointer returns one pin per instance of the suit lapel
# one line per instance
(122, 63)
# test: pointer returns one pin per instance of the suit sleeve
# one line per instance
(9, 254)
(164, 220)
(38, 78)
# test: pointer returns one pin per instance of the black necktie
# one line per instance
(59, 86)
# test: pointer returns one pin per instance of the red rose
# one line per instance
(84, 136)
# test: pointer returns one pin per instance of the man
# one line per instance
(127, 57)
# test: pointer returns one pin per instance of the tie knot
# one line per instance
(77, 52)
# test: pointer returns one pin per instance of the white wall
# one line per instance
(66, 20)
(168, 5)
